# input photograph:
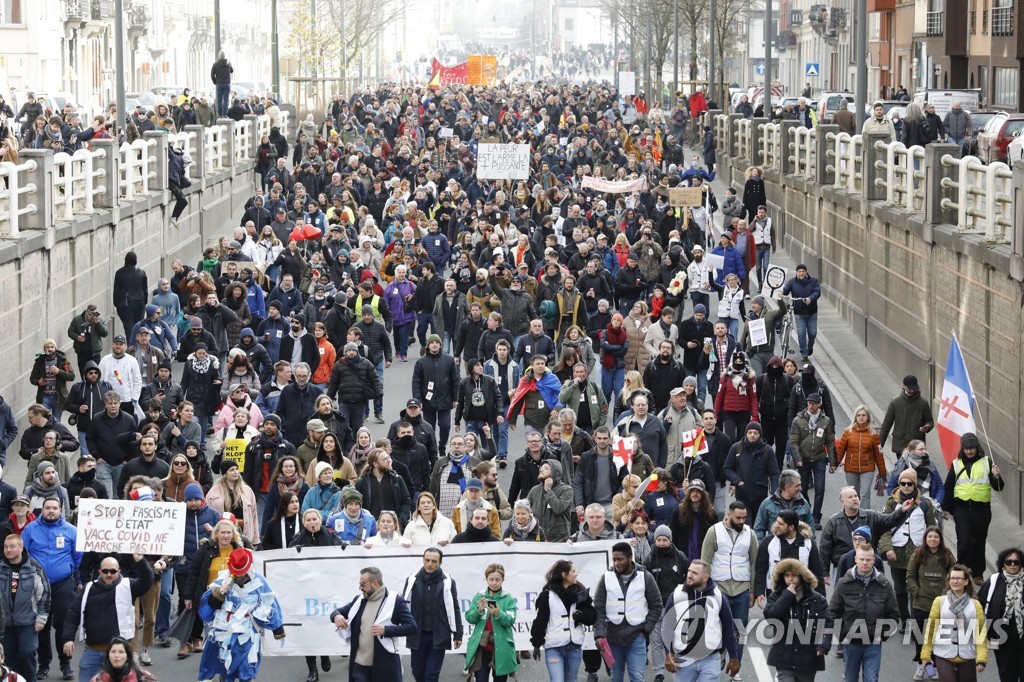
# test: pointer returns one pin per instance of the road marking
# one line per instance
(761, 669)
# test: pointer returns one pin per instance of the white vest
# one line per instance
(632, 606)
(775, 554)
(449, 603)
(125, 609)
(911, 530)
(674, 621)
(387, 609)
(561, 628)
(762, 233)
(732, 559)
(949, 642)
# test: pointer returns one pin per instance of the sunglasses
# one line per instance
(179, 464)
(1011, 562)
(906, 484)
(109, 571)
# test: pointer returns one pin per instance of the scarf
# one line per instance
(914, 461)
(1015, 599)
(289, 485)
(957, 606)
(209, 264)
(358, 455)
(51, 136)
(524, 530)
(456, 475)
(201, 366)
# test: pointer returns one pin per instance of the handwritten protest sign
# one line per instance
(503, 161)
(685, 196)
(234, 449)
(130, 527)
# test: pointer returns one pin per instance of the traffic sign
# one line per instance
(759, 68)
(812, 69)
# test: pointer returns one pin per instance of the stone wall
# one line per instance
(905, 285)
(49, 276)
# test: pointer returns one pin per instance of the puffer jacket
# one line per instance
(859, 450)
(354, 383)
(637, 356)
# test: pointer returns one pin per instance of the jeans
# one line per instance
(378, 403)
(446, 343)
(701, 298)
(204, 426)
(631, 657)
(424, 320)
(611, 381)
(798, 675)
(90, 663)
(50, 403)
(814, 470)
(20, 645)
(563, 662)
(163, 611)
(503, 440)
(477, 427)
(866, 656)
(441, 420)
(806, 331)
(61, 596)
(740, 606)
(958, 141)
(109, 475)
(863, 484)
(361, 673)
(426, 661)
(355, 413)
(763, 258)
(734, 327)
(402, 333)
(707, 669)
(701, 375)
(222, 91)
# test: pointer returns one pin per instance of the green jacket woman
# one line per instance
(502, 618)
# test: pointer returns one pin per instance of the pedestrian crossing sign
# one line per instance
(812, 69)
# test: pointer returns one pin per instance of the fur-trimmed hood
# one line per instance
(793, 566)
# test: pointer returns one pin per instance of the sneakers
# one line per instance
(380, 420)
(840, 651)
(174, 222)
(737, 678)
(502, 462)
(162, 640)
(902, 629)
(42, 673)
(144, 657)
(930, 671)
(659, 678)
(919, 672)
(67, 672)
(591, 677)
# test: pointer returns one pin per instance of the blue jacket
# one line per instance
(8, 429)
(291, 300)
(163, 336)
(438, 248)
(254, 297)
(194, 533)
(801, 289)
(733, 263)
(42, 540)
(324, 500)
(611, 263)
(351, 532)
(276, 329)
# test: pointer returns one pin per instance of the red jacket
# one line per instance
(750, 253)
(733, 399)
(698, 105)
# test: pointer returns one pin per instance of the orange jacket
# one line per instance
(859, 451)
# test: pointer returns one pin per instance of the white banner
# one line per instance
(311, 584)
(614, 186)
(129, 527)
(503, 161)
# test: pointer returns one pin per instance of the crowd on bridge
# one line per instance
(242, 386)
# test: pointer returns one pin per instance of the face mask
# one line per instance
(296, 330)
(407, 441)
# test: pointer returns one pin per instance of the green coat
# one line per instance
(598, 404)
(808, 445)
(505, 662)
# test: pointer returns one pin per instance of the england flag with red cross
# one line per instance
(956, 408)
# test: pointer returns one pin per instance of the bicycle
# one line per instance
(788, 324)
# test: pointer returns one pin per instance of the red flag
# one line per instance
(622, 451)
(694, 443)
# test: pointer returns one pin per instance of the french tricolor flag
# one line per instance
(956, 408)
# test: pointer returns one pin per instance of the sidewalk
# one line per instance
(856, 378)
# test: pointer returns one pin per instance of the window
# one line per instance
(1002, 18)
(569, 24)
(1005, 91)
(10, 12)
(796, 17)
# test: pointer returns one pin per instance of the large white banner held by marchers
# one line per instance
(128, 527)
(503, 161)
(311, 584)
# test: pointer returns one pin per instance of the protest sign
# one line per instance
(310, 585)
(614, 186)
(446, 132)
(130, 527)
(503, 161)
(758, 333)
(715, 261)
(774, 280)
(627, 83)
(234, 449)
(685, 196)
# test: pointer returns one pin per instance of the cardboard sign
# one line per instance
(503, 161)
(685, 196)
(130, 527)
(446, 132)
(234, 449)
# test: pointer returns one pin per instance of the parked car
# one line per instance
(147, 100)
(996, 136)
(979, 119)
(1015, 150)
(828, 104)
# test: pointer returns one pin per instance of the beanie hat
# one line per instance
(150, 309)
(164, 364)
(275, 304)
(351, 495)
(432, 338)
(194, 491)
(908, 474)
(351, 346)
(273, 418)
(756, 426)
(43, 466)
(969, 440)
(227, 465)
(862, 531)
(195, 323)
(663, 531)
(700, 308)
(320, 468)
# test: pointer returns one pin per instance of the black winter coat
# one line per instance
(202, 389)
(196, 583)
(435, 379)
(773, 397)
(493, 404)
(427, 605)
(310, 350)
(690, 330)
(794, 653)
(353, 384)
(32, 439)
